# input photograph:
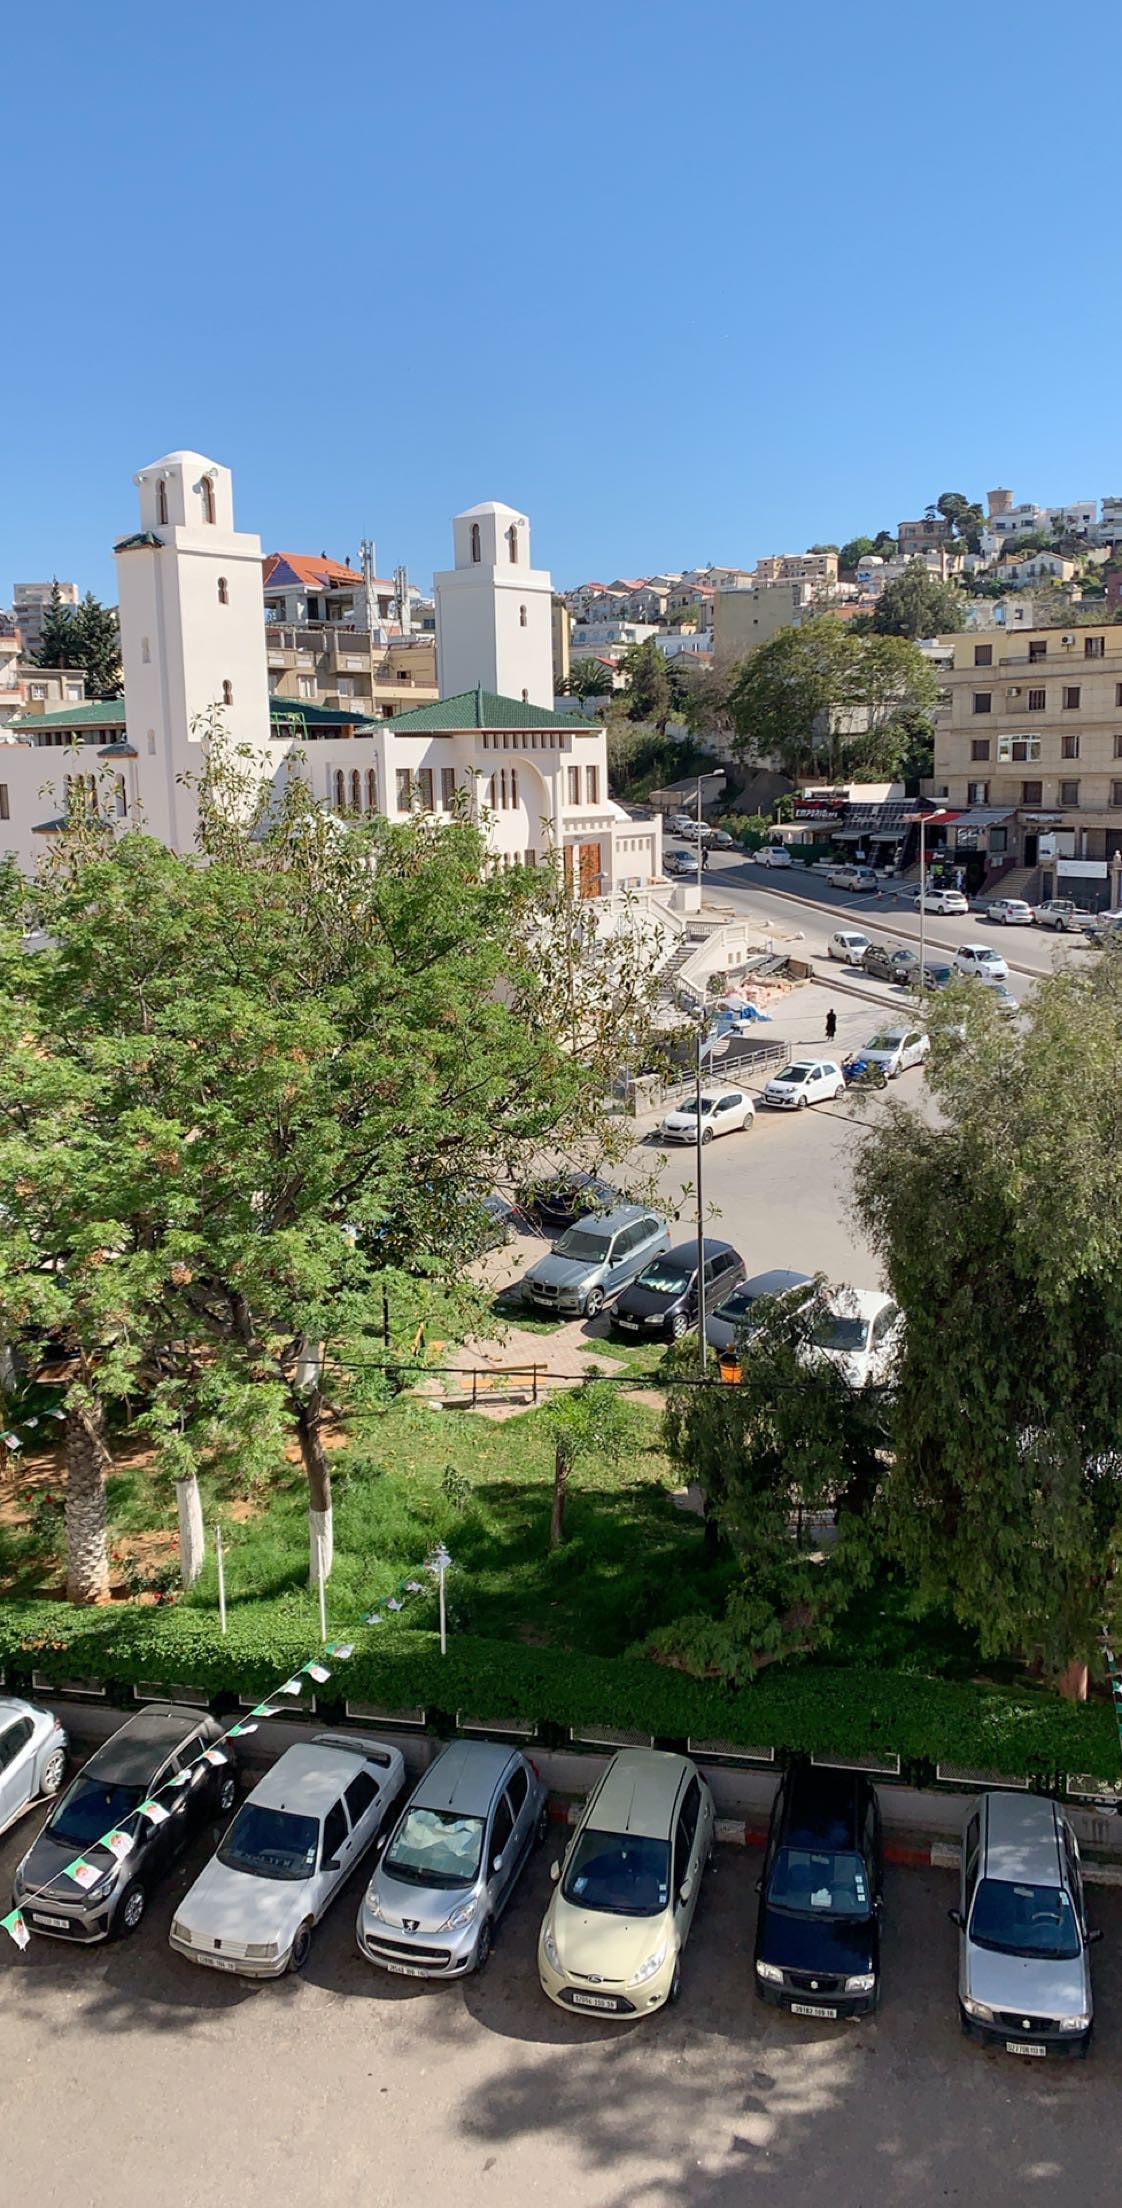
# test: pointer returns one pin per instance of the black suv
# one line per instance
(663, 1300)
(137, 1763)
(818, 1929)
(889, 965)
(557, 1205)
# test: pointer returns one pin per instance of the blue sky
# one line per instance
(685, 285)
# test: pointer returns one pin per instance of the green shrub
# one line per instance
(803, 1708)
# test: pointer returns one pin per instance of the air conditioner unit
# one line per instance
(1015, 692)
(1067, 640)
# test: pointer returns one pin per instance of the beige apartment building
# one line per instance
(1028, 758)
(744, 618)
(819, 569)
(348, 669)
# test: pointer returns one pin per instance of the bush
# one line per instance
(796, 1708)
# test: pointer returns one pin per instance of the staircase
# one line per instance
(668, 975)
(1014, 881)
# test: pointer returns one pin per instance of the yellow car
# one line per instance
(612, 1937)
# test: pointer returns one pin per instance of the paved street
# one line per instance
(131, 2076)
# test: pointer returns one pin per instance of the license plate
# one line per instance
(1023, 2047)
(805, 2008)
(628, 1326)
(220, 1962)
(593, 2001)
(57, 1924)
(407, 1970)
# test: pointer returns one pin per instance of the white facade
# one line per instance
(494, 611)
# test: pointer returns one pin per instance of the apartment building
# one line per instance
(321, 648)
(818, 569)
(1028, 753)
(914, 538)
(744, 618)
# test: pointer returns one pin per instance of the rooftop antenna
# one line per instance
(402, 601)
(366, 555)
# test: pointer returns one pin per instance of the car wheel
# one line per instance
(801, 1105)
(593, 1303)
(706, 1134)
(484, 1944)
(675, 1993)
(227, 1794)
(1057, 927)
(839, 1091)
(677, 1326)
(53, 1772)
(301, 1946)
(130, 1910)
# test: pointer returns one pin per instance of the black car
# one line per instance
(558, 1204)
(733, 1317)
(137, 1764)
(663, 1300)
(817, 1947)
(889, 965)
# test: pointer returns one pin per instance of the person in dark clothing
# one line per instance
(831, 1024)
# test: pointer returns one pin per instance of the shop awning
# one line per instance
(982, 816)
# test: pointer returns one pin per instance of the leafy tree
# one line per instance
(884, 544)
(1001, 1234)
(966, 519)
(918, 604)
(822, 548)
(650, 692)
(85, 637)
(588, 678)
(818, 699)
(853, 551)
(591, 1422)
(57, 634)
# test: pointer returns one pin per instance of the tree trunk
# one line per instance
(561, 1470)
(87, 1532)
(1072, 1681)
(192, 1539)
(321, 1529)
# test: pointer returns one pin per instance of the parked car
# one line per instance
(848, 945)
(938, 975)
(679, 824)
(493, 1219)
(888, 965)
(1106, 929)
(624, 1898)
(981, 958)
(1062, 915)
(723, 1112)
(735, 1318)
(558, 1204)
(32, 1757)
(858, 1330)
(144, 1756)
(852, 877)
(293, 1844)
(944, 900)
(678, 864)
(1012, 912)
(1024, 1976)
(452, 1862)
(806, 1081)
(817, 1950)
(773, 854)
(1004, 999)
(664, 1299)
(595, 1259)
(720, 840)
(896, 1049)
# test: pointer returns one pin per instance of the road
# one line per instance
(132, 2077)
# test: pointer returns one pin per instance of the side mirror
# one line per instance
(1094, 1937)
(496, 1863)
(332, 1864)
(956, 1918)
(759, 1885)
(685, 1890)
(555, 1872)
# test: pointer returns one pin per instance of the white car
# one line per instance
(895, 1049)
(848, 945)
(858, 1330)
(944, 900)
(805, 1081)
(981, 958)
(1062, 915)
(292, 1846)
(772, 854)
(32, 1757)
(1011, 911)
(723, 1112)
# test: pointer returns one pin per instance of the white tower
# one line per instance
(494, 612)
(192, 633)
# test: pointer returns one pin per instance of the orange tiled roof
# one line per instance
(315, 573)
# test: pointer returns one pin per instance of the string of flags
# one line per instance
(119, 1842)
(437, 1564)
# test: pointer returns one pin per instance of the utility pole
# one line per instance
(922, 904)
(703, 1347)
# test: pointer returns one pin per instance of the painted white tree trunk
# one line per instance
(321, 1545)
(192, 1539)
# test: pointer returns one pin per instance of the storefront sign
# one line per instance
(1084, 870)
(818, 808)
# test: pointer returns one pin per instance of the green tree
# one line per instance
(884, 545)
(588, 678)
(966, 518)
(918, 604)
(1000, 1231)
(590, 1423)
(853, 551)
(58, 633)
(822, 548)
(85, 637)
(650, 692)
(820, 700)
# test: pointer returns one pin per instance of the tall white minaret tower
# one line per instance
(192, 633)
(494, 612)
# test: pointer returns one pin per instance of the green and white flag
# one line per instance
(16, 1928)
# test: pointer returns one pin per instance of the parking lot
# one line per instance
(130, 2075)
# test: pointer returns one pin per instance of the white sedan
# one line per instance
(858, 1330)
(723, 1112)
(894, 1049)
(292, 1846)
(772, 854)
(981, 959)
(1011, 911)
(32, 1757)
(806, 1081)
(944, 900)
(848, 945)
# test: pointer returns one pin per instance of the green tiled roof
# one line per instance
(96, 713)
(315, 716)
(482, 709)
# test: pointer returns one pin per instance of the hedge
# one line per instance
(803, 1708)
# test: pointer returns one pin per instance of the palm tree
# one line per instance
(587, 678)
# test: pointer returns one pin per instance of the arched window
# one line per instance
(122, 798)
(491, 793)
(525, 697)
(223, 591)
(512, 540)
(145, 654)
(514, 785)
(161, 501)
(371, 790)
(227, 693)
(476, 547)
(208, 498)
(356, 790)
(340, 789)
(91, 792)
(521, 617)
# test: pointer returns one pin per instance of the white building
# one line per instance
(494, 611)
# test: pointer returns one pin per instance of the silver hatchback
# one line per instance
(452, 1862)
(1024, 1978)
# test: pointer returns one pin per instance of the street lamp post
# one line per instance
(922, 903)
(703, 1350)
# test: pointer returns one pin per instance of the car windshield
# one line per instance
(795, 1073)
(270, 1843)
(1024, 1920)
(885, 1042)
(689, 1107)
(621, 1872)
(436, 1847)
(812, 1884)
(91, 1809)
(668, 1277)
(831, 1331)
(579, 1242)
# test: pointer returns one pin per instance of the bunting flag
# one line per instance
(84, 1874)
(119, 1844)
(15, 1927)
(393, 1603)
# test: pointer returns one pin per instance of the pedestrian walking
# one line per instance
(831, 1024)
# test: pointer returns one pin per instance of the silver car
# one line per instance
(452, 1862)
(32, 1757)
(1024, 1979)
(595, 1258)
